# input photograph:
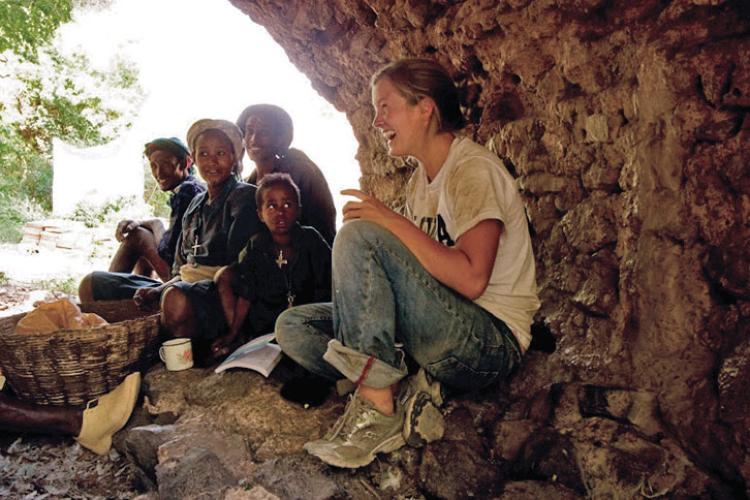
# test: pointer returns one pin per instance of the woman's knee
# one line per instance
(357, 233)
(287, 329)
(298, 327)
(359, 238)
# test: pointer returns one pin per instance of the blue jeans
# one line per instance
(384, 305)
(118, 286)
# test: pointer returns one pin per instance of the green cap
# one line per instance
(171, 144)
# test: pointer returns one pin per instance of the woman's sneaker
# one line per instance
(359, 434)
(421, 396)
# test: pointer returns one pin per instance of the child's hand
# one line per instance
(222, 346)
(147, 299)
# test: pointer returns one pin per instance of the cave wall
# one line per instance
(626, 124)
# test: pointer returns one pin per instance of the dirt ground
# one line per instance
(29, 273)
(37, 467)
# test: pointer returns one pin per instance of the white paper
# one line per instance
(258, 354)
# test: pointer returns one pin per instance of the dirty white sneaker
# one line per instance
(359, 434)
(421, 396)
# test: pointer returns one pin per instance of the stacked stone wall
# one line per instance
(626, 125)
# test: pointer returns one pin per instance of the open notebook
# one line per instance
(260, 354)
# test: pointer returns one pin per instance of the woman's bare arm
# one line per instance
(465, 267)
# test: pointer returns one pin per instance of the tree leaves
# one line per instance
(25, 25)
(48, 94)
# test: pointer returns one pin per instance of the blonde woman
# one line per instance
(450, 282)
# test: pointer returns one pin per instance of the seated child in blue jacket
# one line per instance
(283, 265)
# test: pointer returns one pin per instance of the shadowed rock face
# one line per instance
(626, 124)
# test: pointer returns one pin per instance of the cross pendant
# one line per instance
(280, 260)
(196, 246)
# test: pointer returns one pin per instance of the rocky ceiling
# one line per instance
(626, 124)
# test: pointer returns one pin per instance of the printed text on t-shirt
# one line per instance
(437, 231)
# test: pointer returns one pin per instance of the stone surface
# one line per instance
(218, 387)
(534, 490)
(254, 493)
(197, 473)
(569, 439)
(247, 442)
(550, 456)
(626, 124)
(455, 466)
(142, 447)
(510, 436)
(734, 408)
(297, 477)
(616, 462)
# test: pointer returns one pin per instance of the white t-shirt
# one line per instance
(472, 186)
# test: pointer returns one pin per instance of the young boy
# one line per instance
(145, 246)
(170, 164)
(284, 265)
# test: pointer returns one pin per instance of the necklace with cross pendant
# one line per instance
(280, 260)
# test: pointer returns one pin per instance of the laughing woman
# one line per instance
(450, 283)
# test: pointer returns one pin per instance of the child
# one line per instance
(268, 132)
(284, 265)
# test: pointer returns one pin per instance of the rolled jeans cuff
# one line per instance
(363, 368)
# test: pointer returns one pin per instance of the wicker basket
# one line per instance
(71, 367)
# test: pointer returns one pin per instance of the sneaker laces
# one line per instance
(357, 417)
(344, 422)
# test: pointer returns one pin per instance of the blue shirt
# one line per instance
(179, 201)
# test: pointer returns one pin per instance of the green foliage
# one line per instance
(95, 215)
(25, 25)
(15, 211)
(66, 286)
(26, 173)
(46, 95)
(63, 97)
(11, 221)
